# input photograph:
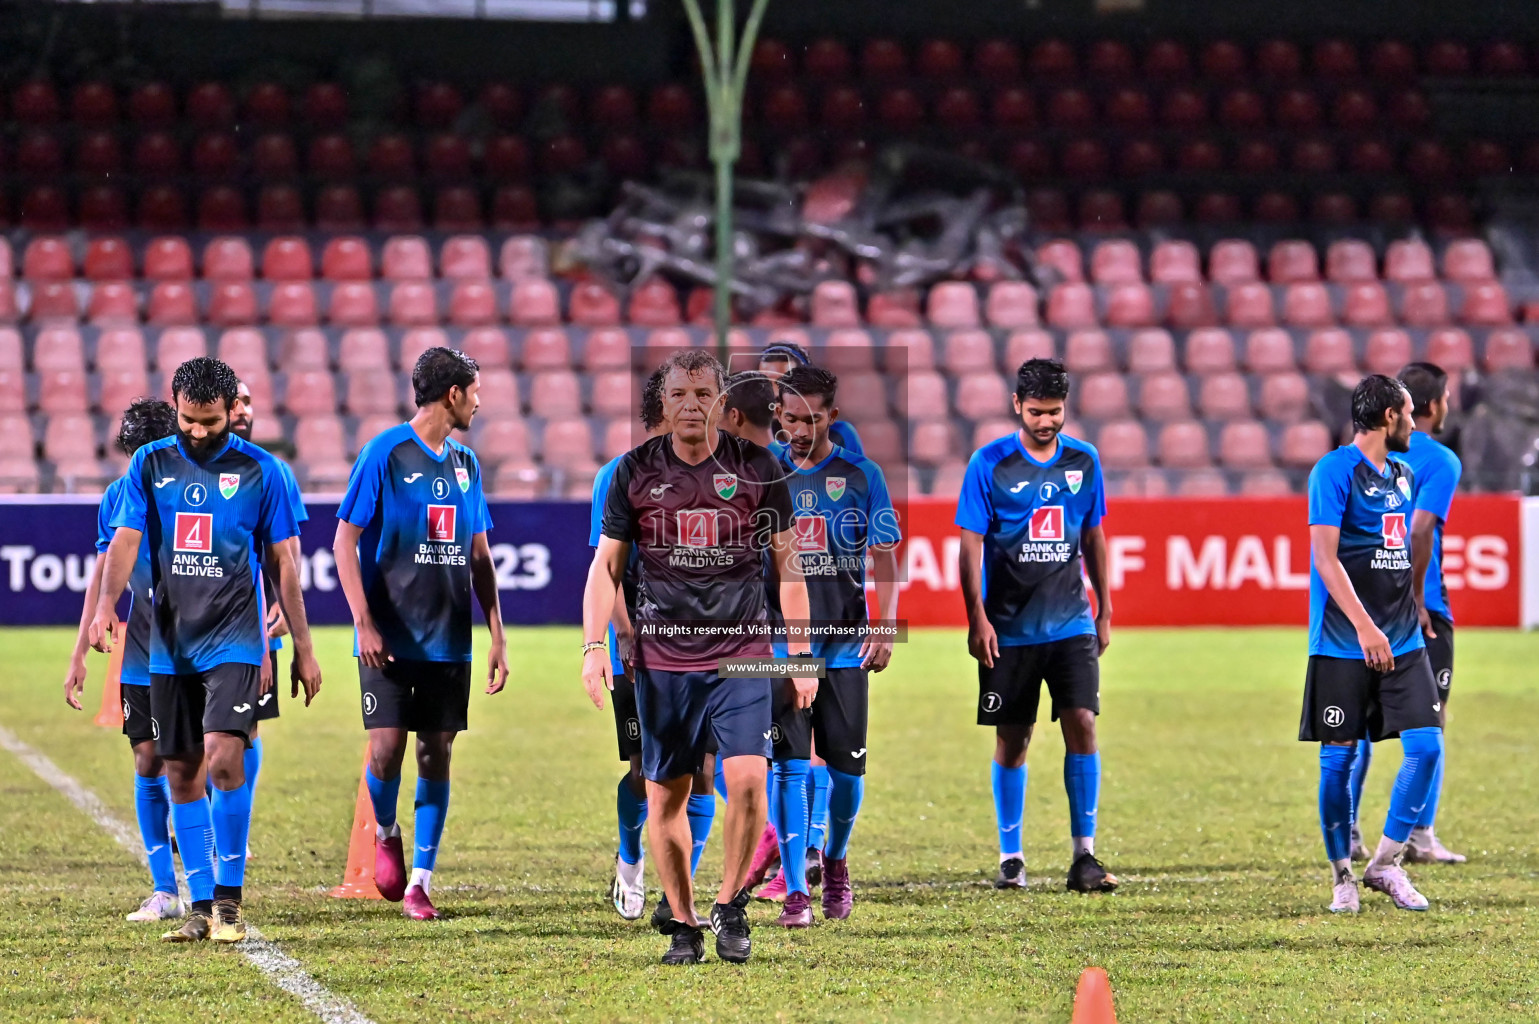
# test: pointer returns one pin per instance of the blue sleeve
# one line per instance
(1098, 499)
(275, 521)
(1435, 486)
(363, 488)
(296, 500)
(132, 510)
(104, 512)
(1328, 489)
(481, 515)
(850, 441)
(601, 482)
(974, 509)
(881, 517)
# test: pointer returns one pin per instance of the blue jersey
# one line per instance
(601, 482)
(1373, 512)
(845, 436)
(841, 507)
(418, 511)
(205, 521)
(141, 593)
(1437, 471)
(291, 487)
(1032, 516)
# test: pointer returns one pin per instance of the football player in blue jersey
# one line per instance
(842, 512)
(783, 356)
(146, 420)
(1030, 513)
(411, 547)
(208, 503)
(1437, 470)
(1369, 676)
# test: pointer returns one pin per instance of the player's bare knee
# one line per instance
(1078, 730)
(147, 763)
(1010, 743)
(434, 750)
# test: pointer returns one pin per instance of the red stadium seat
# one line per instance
(1209, 350)
(234, 304)
(1116, 262)
(834, 304)
(1010, 304)
(1451, 348)
(1408, 260)
(228, 259)
(1424, 304)
(417, 340)
(1269, 350)
(847, 350)
(35, 102)
(1130, 305)
(1276, 208)
(113, 302)
(7, 261)
(1335, 59)
(1190, 305)
(1223, 396)
(407, 258)
(103, 208)
(546, 348)
(535, 303)
(1367, 305)
(397, 208)
(1062, 257)
(1468, 261)
(273, 156)
(1304, 444)
(1217, 208)
(1307, 305)
(106, 259)
(953, 304)
(176, 345)
(1244, 444)
(292, 304)
(1175, 262)
(1279, 58)
(883, 58)
(997, 60)
(62, 391)
(172, 302)
(45, 209)
(1071, 304)
(654, 303)
(47, 259)
(457, 209)
(473, 304)
(1242, 109)
(1508, 348)
(1350, 260)
(54, 300)
(346, 259)
(1183, 445)
(909, 350)
(1233, 261)
(1387, 351)
(353, 304)
(1448, 58)
(568, 443)
(1160, 208)
(1151, 351)
(514, 208)
(58, 348)
(413, 304)
(1297, 109)
(465, 257)
(1329, 351)
(1088, 351)
(671, 108)
(1284, 397)
(1163, 397)
(162, 208)
(1292, 261)
(1485, 305)
(932, 443)
(594, 305)
(98, 153)
(1052, 59)
(1249, 304)
(287, 258)
(331, 158)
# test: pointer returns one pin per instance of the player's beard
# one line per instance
(241, 428)
(1399, 442)
(202, 449)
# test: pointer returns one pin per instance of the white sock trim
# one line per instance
(631, 874)
(1017, 855)
(422, 877)
(381, 832)
(1083, 844)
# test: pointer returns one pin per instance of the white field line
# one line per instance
(281, 969)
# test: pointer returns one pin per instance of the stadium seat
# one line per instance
(117, 348)
(106, 259)
(1062, 257)
(274, 157)
(1088, 351)
(488, 346)
(1307, 305)
(1366, 304)
(1485, 305)
(1244, 444)
(113, 302)
(1071, 304)
(398, 208)
(1507, 348)
(1468, 260)
(968, 351)
(594, 305)
(1408, 260)
(953, 304)
(1223, 396)
(545, 348)
(1424, 303)
(1183, 445)
(612, 396)
(893, 309)
(1329, 351)
(932, 442)
(1388, 349)
(921, 396)
(1028, 344)
(1164, 396)
(47, 259)
(58, 348)
(1189, 305)
(465, 257)
(407, 258)
(372, 392)
(1010, 304)
(834, 304)
(70, 437)
(1210, 350)
(103, 208)
(172, 302)
(1265, 483)
(353, 304)
(1123, 444)
(339, 208)
(292, 304)
(1151, 351)
(1249, 304)
(1201, 483)
(535, 303)
(62, 391)
(555, 393)
(330, 157)
(863, 397)
(1303, 444)
(413, 304)
(1233, 261)
(228, 259)
(567, 443)
(607, 348)
(1101, 396)
(319, 440)
(654, 303)
(982, 395)
(417, 340)
(53, 300)
(1175, 262)
(1116, 262)
(310, 393)
(473, 303)
(361, 348)
(346, 259)
(244, 349)
(1452, 349)
(457, 209)
(287, 258)
(1130, 305)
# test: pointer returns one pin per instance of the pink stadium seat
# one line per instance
(488, 346)
(1284, 397)
(1330, 351)
(1244, 444)
(1164, 396)
(372, 392)
(413, 304)
(607, 348)
(594, 305)
(567, 442)
(921, 396)
(1130, 305)
(346, 259)
(13, 391)
(1408, 260)
(834, 304)
(1210, 350)
(245, 350)
(1183, 445)
(932, 442)
(620, 436)
(654, 303)
(293, 304)
(53, 301)
(1190, 305)
(1101, 396)
(1116, 262)
(1010, 304)
(473, 303)
(862, 398)
(1508, 348)
(11, 351)
(363, 348)
(47, 259)
(62, 391)
(70, 437)
(535, 302)
(893, 309)
(1233, 261)
(555, 393)
(953, 304)
(1071, 304)
(1350, 260)
(1062, 257)
(407, 258)
(1307, 304)
(232, 304)
(1451, 348)
(58, 348)
(1175, 262)
(1151, 351)
(1201, 483)
(176, 345)
(1249, 304)
(117, 348)
(302, 350)
(228, 259)
(1224, 396)
(1303, 444)
(465, 257)
(1366, 305)
(847, 350)
(1088, 352)
(968, 352)
(499, 393)
(113, 302)
(1424, 303)
(1468, 260)
(546, 348)
(1485, 305)
(1028, 344)
(353, 304)
(106, 259)
(1388, 349)
(417, 340)
(988, 430)
(319, 440)
(982, 395)
(168, 259)
(1123, 444)
(612, 395)
(1265, 483)
(370, 427)
(287, 258)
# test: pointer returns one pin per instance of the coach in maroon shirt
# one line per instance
(701, 507)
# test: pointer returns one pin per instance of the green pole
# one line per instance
(725, 69)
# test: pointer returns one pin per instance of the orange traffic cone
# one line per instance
(358, 879)
(1093, 999)
(110, 716)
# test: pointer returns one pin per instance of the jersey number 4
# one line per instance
(194, 532)
(1046, 523)
(441, 522)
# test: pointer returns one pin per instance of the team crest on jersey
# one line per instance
(1074, 478)
(834, 485)
(229, 483)
(463, 476)
(1405, 487)
(726, 484)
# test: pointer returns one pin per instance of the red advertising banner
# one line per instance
(1225, 561)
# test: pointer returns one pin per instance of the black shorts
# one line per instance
(1009, 692)
(185, 707)
(267, 703)
(837, 720)
(138, 721)
(1345, 700)
(418, 696)
(791, 727)
(627, 725)
(679, 711)
(1440, 652)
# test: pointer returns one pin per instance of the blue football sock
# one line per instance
(195, 840)
(152, 806)
(1363, 757)
(632, 812)
(428, 825)
(720, 782)
(845, 793)
(1423, 750)
(383, 794)
(230, 810)
(1336, 801)
(1429, 813)
(253, 762)
(817, 802)
(789, 814)
(1009, 805)
(1082, 781)
(702, 814)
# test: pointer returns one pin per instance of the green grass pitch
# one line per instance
(1207, 814)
